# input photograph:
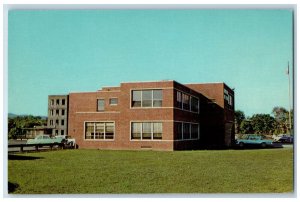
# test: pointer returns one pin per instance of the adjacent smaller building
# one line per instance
(57, 123)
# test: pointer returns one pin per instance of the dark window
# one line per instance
(52, 102)
(57, 122)
(186, 101)
(195, 131)
(178, 130)
(57, 102)
(179, 100)
(63, 101)
(62, 132)
(186, 131)
(57, 112)
(62, 122)
(62, 112)
(194, 104)
(100, 105)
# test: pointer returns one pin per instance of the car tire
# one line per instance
(263, 145)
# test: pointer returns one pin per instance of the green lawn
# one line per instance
(208, 171)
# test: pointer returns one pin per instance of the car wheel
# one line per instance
(241, 145)
(263, 145)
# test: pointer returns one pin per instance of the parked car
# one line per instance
(286, 139)
(277, 137)
(254, 140)
(44, 139)
(67, 140)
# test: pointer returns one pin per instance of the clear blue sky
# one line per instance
(57, 52)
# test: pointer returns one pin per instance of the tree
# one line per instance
(17, 124)
(246, 127)
(281, 116)
(239, 116)
(263, 123)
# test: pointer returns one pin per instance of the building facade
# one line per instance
(163, 115)
(57, 122)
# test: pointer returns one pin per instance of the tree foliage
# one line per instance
(17, 125)
(266, 124)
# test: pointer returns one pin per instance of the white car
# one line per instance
(277, 137)
(44, 139)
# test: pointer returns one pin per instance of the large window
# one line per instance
(100, 105)
(99, 130)
(187, 102)
(186, 131)
(146, 130)
(146, 98)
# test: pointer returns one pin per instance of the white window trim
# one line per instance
(190, 102)
(99, 140)
(141, 138)
(152, 100)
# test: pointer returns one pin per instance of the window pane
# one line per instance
(178, 131)
(109, 130)
(89, 130)
(186, 131)
(136, 98)
(195, 129)
(136, 131)
(147, 98)
(179, 100)
(186, 101)
(194, 102)
(157, 130)
(147, 130)
(99, 133)
(100, 105)
(63, 101)
(157, 94)
(157, 103)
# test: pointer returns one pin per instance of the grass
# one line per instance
(208, 171)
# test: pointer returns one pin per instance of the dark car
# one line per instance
(286, 139)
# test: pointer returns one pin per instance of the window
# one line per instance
(51, 122)
(100, 105)
(113, 101)
(56, 132)
(186, 131)
(63, 101)
(62, 122)
(57, 102)
(57, 112)
(157, 98)
(186, 101)
(56, 122)
(52, 102)
(99, 130)
(194, 104)
(146, 131)
(136, 98)
(63, 112)
(51, 112)
(179, 100)
(194, 131)
(62, 132)
(136, 130)
(146, 98)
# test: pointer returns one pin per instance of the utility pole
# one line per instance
(290, 120)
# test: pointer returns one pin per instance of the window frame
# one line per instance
(142, 100)
(190, 131)
(113, 98)
(104, 133)
(100, 110)
(141, 130)
(182, 94)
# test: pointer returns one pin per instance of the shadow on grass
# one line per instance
(18, 157)
(12, 187)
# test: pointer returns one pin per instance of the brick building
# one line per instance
(163, 115)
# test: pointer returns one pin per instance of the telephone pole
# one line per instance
(290, 120)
